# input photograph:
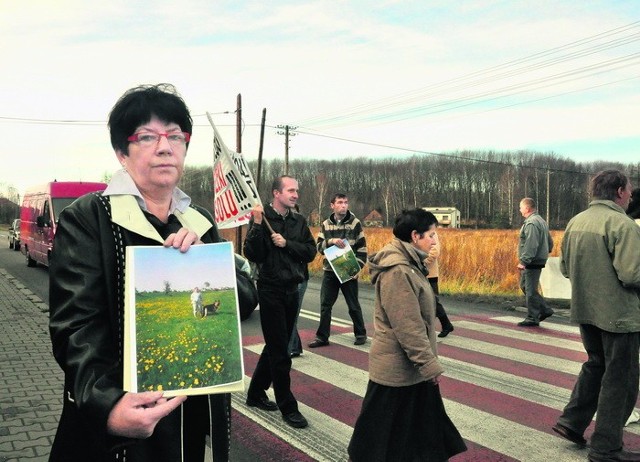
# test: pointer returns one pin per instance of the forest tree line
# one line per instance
(485, 186)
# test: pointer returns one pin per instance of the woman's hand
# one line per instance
(182, 240)
(137, 414)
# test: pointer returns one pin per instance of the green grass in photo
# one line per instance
(176, 350)
(346, 266)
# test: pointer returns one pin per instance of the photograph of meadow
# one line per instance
(343, 261)
(173, 347)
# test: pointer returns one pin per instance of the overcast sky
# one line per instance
(358, 78)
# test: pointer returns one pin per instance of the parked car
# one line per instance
(14, 235)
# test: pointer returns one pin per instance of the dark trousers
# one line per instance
(328, 296)
(536, 306)
(441, 314)
(278, 309)
(608, 384)
(295, 345)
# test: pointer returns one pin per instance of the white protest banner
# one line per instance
(234, 189)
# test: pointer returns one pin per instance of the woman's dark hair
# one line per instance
(606, 183)
(634, 206)
(409, 220)
(138, 105)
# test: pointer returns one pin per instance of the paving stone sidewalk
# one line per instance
(30, 379)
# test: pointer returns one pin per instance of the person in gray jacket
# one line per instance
(600, 256)
(533, 250)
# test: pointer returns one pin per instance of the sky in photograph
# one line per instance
(184, 271)
(361, 78)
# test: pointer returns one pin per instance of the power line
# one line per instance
(53, 121)
(474, 79)
(440, 154)
(86, 122)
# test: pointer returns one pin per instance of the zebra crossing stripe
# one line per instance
(503, 388)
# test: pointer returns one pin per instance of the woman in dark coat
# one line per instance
(150, 131)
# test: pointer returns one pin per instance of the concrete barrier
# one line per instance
(554, 284)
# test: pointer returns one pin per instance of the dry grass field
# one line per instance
(472, 261)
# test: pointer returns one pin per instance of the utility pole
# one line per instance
(259, 174)
(239, 150)
(548, 193)
(289, 130)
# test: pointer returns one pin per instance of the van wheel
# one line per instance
(30, 261)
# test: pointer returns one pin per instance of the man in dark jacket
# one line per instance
(280, 242)
(340, 226)
(533, 251)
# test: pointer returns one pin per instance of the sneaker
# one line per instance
(360, 341)
(318, 343)
(528, 323)
(295, 419)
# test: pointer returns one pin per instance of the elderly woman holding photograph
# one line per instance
(150, 130)
(403, 417)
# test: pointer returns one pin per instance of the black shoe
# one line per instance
(263, 403)
(318, 343)
(295, 419)
(569, 434)
(295, 354)
(619, 456)
(445, 332)
(360, 341)
(546, 315)
(528, 323)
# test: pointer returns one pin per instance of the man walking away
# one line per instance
(533, 251)
(280, 241)
(341, 224)
(600, 256)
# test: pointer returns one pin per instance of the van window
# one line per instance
(46, 215)
(60, 203)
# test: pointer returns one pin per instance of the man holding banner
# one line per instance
(280, 242)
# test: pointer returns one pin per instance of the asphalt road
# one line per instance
(245, 449)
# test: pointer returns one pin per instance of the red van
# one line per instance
(39, 212)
